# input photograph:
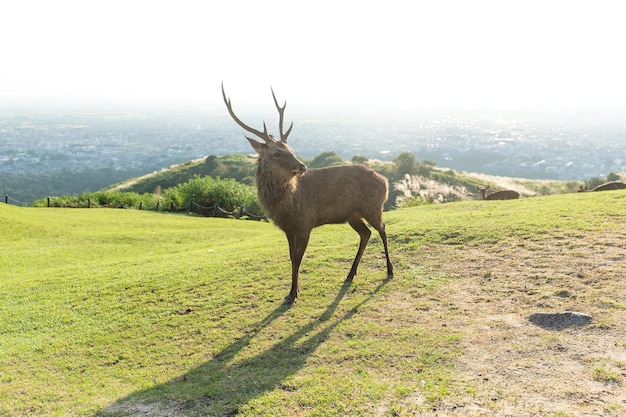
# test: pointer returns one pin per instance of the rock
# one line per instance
(559, 321)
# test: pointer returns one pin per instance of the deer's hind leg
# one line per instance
(364, 232)
(383, 236)
(377, 223)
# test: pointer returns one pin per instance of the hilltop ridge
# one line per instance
(426, 180)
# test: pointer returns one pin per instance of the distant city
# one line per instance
(574, 145)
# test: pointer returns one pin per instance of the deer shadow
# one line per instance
(225, 385)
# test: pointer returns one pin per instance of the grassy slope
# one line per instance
(124, 312)
(231, 166)
(181, 173)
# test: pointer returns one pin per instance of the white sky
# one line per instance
(342, 53)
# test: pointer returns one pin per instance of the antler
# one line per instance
(263, 135)
(281, 112)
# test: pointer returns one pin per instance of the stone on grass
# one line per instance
(559, 321)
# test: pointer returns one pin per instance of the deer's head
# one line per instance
(274, 155)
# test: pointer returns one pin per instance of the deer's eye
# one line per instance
(277, 154)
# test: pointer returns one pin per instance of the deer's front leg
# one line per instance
(297, 246)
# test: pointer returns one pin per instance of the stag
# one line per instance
(298, 199)
(498, 195)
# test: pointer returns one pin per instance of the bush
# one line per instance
(121, 199)
(207, 192)
(101, 199)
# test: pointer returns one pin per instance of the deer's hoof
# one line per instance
(289, 300)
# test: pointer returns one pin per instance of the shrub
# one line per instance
(207, 192)
(101, 199)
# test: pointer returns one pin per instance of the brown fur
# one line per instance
(298, 200)
(498, 195)
(613, 185)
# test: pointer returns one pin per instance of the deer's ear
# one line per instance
(258, 146)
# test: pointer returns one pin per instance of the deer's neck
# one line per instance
(277, 195)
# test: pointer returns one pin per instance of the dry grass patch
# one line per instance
(509, 366)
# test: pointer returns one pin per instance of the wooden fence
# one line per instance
(192, 207)
(9, 200)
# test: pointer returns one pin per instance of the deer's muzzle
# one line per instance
(300, 170)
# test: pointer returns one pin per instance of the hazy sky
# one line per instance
(343, 53)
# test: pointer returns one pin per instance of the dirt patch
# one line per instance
(157, 409)
(524, 351)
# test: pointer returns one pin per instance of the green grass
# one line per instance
(105, 311)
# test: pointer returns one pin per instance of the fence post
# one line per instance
(6, 199)
(240, 211)
(48, 201)
(190, 205)
(172, 206)
(215, 210)
(89, 203)
(140, 205)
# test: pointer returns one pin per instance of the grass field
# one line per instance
(109, 312)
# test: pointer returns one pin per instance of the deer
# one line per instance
(612, 185)
(498, 195)
(607, 186)
(298, 199)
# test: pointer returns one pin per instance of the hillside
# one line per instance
(239, 167)
(428, 182)
(134, 313)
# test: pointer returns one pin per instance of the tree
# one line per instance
(213, 166)
(357, 159)
(325, 159)
(614, 176)
(406, 163)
